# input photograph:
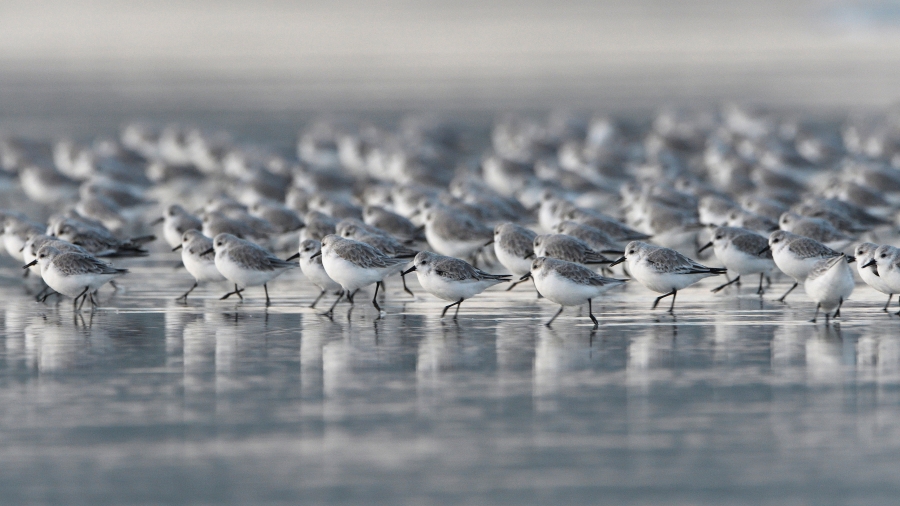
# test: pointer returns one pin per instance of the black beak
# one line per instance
(530, 255)
(870, 262)
(767, 248)
(407, 271)
(617, 261)
(176, 248)
(707, 245)
(523, 278)
(318, 253)
(22, 249)
(30, 264)
(292, 257)
(489, 242)
(157, 221)
(207, 252)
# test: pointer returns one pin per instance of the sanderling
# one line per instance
(311, 265)
(452, 279)
(392, 223)
(829, 284)
(796, 255)
(281, 218)
(568, 248)
(215, 223)
(887, 260)
(868, 269)
(663, 270)
(74, 274)
(245, 264)
(616, 229)
(15, 234)
(198, 259)
(176, 221)
(99, 241)
(814, 228)
(349, 228)
(741, 250)
(514, 247)
(569, 284)
(597, 239)
(455, 234)
(355, 265)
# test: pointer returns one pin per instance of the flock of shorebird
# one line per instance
(559, 202)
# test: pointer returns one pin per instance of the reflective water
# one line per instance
(732, 401)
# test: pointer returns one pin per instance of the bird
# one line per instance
(452, 279)
(514, 247)
(569, 284)
(311, 266)
(742, 251)
(73, 273)
(867, 268)
(663, 270)
(829, 284)
(796, 255)
(246, 264)
(355, 265)
(197, 258)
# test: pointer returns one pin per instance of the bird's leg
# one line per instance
(188, 292)
(554, 316)
(350, 296)
(837, 314)
(338, 299)
(375, 297)
(514, 283)
(405, 288)
(237, 291)
(444, 312)
(458, 305)
(720, 287)
(760, 290)
(661, 297)
(82, 296)
(322, 294)
(591, 314)
(266, 289)
(791, 289)
(815, 316)
(888, 303)
(672, 306)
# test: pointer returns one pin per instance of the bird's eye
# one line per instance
(775, 240)
(883, 255)
(422, 262)
(631, 252)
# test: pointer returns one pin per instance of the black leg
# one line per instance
(375, 297)
(350, 296)
(513, 285)
(591, 314)
(815, 316)
(672, 306)
(760, 290)
(888, 303)
(237, 291)
(837, 314)
(266, 288)
(449, 306)
(93, 304)
(331, 309)
(405, 288)
(458, 305)
(554, 316)
(322, 294)
(185, 296)
(82, 296)
(661, 297)
(791, 289)
(51, 292)
(720, 287)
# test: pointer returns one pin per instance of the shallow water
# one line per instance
(731, 401)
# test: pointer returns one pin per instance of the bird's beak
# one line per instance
(176, 248)
(292, 257)
(207, 252)
(617, 261)
(767, 248)
(22, 249)
(707, 245)
(530, 255)
(30, 264)
(157, 221)
(489, 242)
(318, 253)
(523, 278)
(407, 271)
(870, 262)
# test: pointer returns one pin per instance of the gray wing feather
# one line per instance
(460, 270)
(805, 247)
(77, 263)
(365, 255)
(520, 243)
(584, 276)
(251, 257)
(670, 261)
(753, 244)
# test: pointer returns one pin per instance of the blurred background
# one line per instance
(93, 58)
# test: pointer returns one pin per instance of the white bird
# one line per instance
(197, 258)
(74, 274)
(569, 284)
(355, 265)
(663, 270)
(742, 251)
(451, 279)
(245, 264)
(829, 284)
(311, 264)
(868, 269)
